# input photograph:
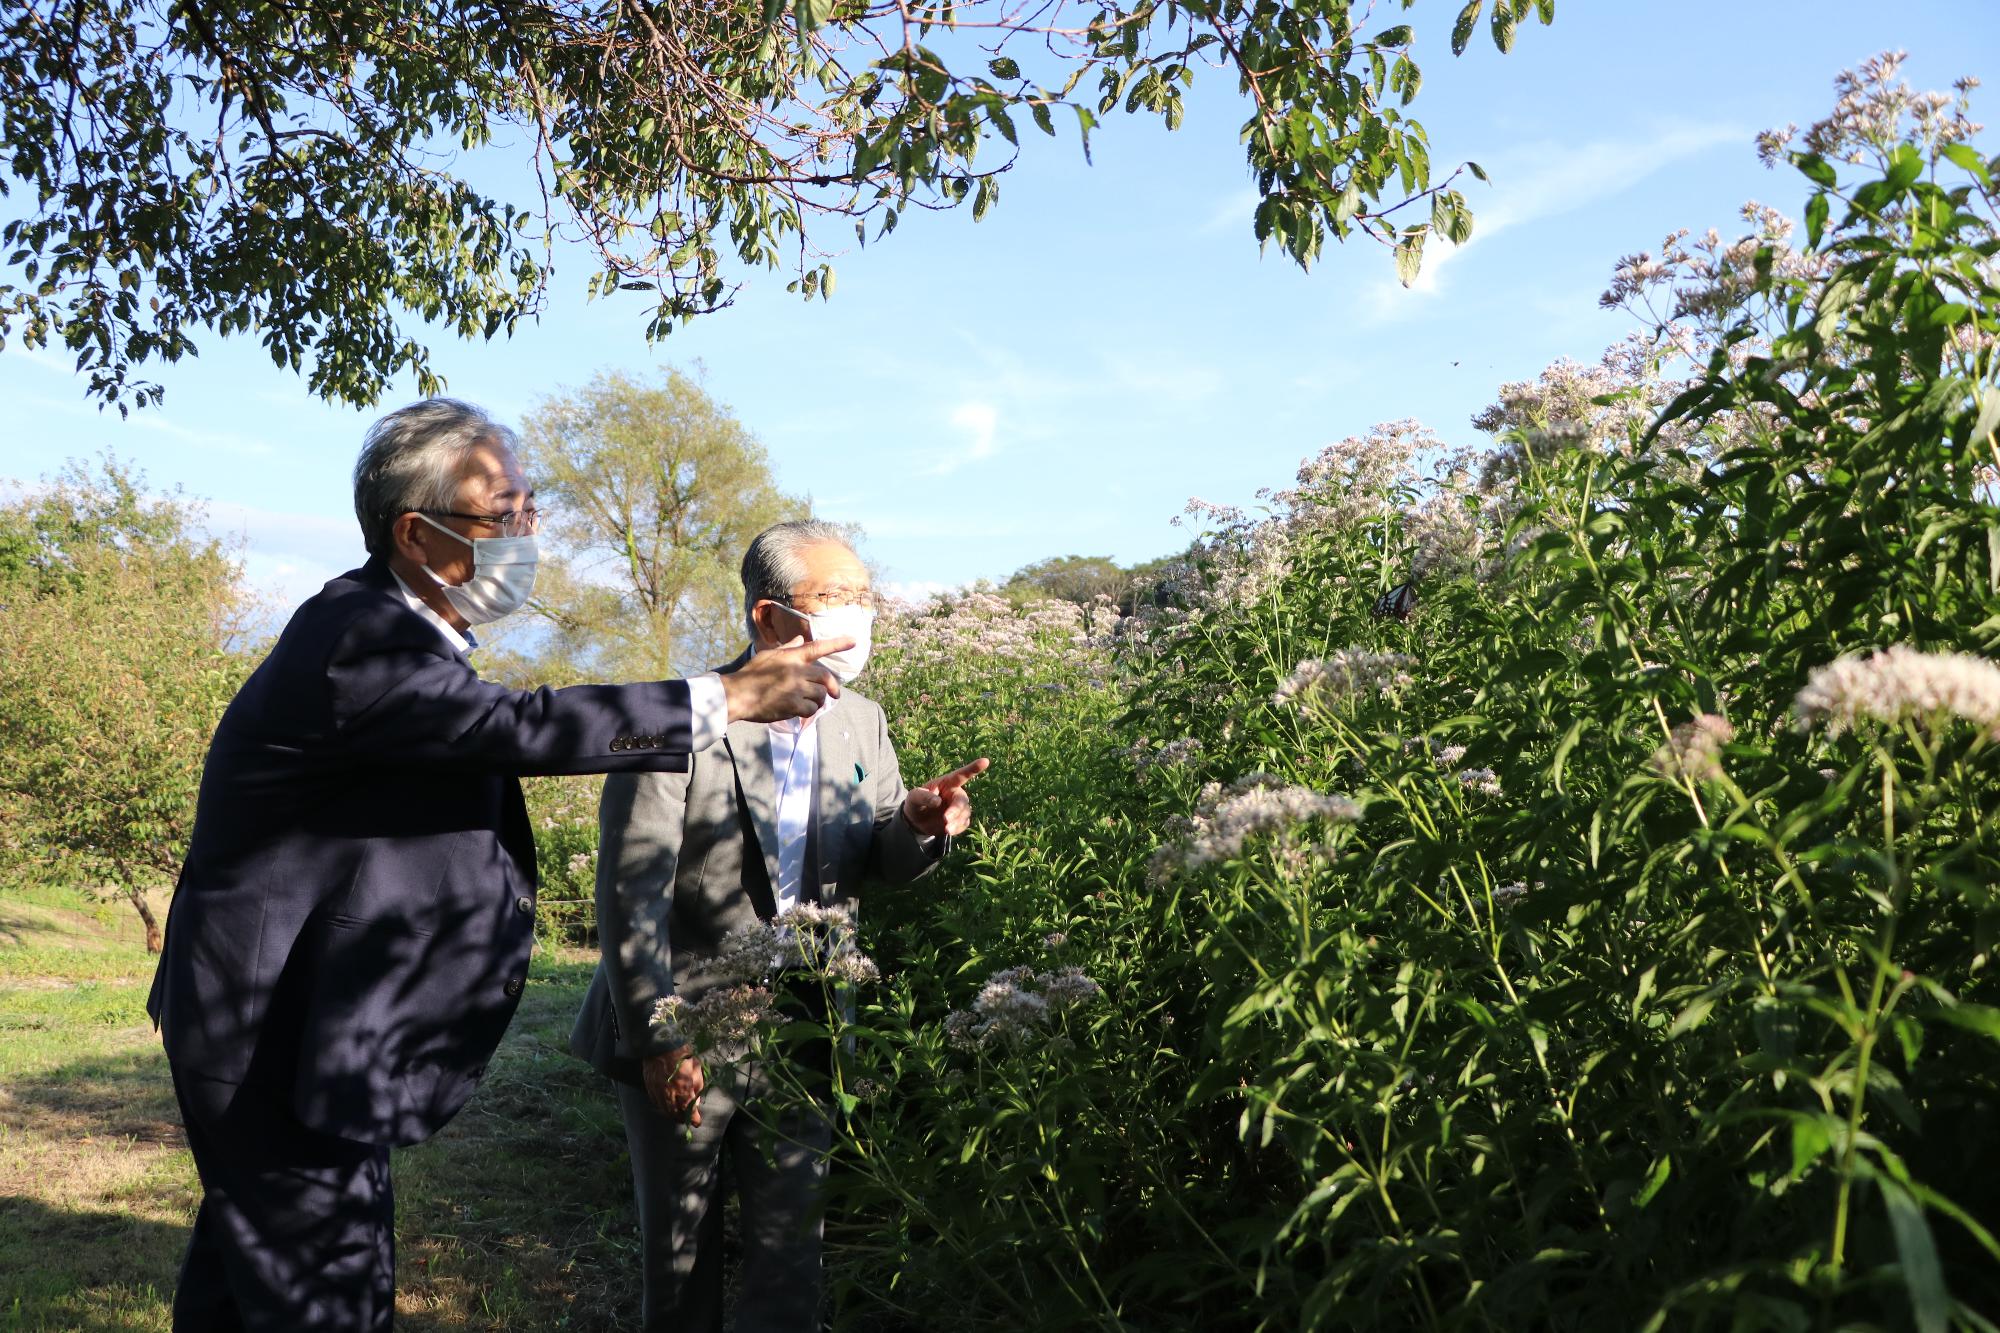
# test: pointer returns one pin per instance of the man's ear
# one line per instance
(408, 538)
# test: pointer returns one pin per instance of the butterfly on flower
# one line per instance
(1399, 602)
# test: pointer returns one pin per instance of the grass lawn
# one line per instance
(518, 1216)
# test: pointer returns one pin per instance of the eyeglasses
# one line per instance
(828, 598)
(513, 523)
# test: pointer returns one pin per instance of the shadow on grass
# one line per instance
(84, 1271)
(518, 1216)
(125, 1095)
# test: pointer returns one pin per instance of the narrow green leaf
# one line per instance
(1923, 1275)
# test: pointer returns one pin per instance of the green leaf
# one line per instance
(1004, 67)
(1905, 165)
(1461, 31)
(1812, 1135)
(1691, 1017)
(1503, 26)
(1656, 1179)
(1988, 419)
(1815, 219)
(1817, 170)
(1965, 156)
(1410, 256)
(1923, 1275)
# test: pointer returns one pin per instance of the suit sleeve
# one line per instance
(896, 854)
(398, 694)
(639, 827)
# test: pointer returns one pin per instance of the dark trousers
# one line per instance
(779, 1165)
(296, 1230)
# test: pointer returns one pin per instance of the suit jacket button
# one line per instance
(524, 904)
(513, 987)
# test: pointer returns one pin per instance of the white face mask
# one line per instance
(841, 622)
(503, 574)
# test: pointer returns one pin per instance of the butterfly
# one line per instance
(1400, 602)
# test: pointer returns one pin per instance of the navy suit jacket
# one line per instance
(355, 914)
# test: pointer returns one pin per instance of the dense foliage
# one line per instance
(122, 623)
(1604, 942)
(317, 175)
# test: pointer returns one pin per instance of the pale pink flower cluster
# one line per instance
(1226, 817)
(1348, 674)
(1901, 684)
(1481, 780)
(1019, 1004)
(984, 628)
(1876, 110)
(555, 803)
(1146, 757)
(1694, 750)
(809, 939)
(1237, 559)
(723, 1022)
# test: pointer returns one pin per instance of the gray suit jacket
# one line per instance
(684, 858)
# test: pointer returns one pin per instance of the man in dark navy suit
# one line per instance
(353, 923)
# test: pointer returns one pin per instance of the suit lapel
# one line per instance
(833, 793)
(757, 787)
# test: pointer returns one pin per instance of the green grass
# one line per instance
(518, 1216)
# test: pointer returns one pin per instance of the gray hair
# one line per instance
(414, 459)
(776, 559)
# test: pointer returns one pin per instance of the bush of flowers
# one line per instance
(1541, 885)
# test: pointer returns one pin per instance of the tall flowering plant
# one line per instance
(1600, 936)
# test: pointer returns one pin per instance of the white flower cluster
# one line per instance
(810, 939)
(1018, 1004)
(1482, 780)
(1694, 750)
(724, 1021)
(1349, 673)
(1901, 684)
(1871, 111)
(988, 629)
(1172, 754)
(1506, 895)
(1225, 817)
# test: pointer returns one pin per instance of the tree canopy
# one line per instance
(319, 176)
(121, 619)
(653, 491)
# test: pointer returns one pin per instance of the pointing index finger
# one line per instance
(819, 648)
(958, 777)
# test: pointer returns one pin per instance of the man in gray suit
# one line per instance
(775, 816)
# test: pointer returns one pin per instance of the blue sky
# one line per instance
(1060, 377)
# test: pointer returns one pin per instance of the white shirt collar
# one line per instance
(464, 643)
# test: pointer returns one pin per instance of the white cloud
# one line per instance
(979, 424)
(916, 591)
(1232, 213)
(1545, 179)
(152, 420)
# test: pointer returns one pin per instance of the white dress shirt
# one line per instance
(794, 766)
(708, 702)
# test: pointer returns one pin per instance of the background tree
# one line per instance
(290, 170)
(654, 490)
(122, 621)
(1084, 578)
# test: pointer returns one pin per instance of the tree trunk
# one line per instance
(137, 897)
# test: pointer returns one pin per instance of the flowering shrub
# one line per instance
(1607, 945)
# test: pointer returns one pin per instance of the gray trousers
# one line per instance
(778, 1164)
